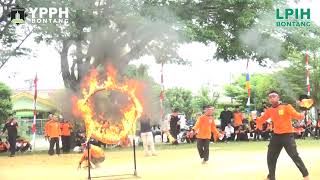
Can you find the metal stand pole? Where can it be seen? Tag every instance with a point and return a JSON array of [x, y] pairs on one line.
[[134, 156], [305, 124], [89, 169]]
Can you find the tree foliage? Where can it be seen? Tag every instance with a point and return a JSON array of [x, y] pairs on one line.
[[109, 32], [289, 81], [5, 102], [260, 84], [10, 40], [187, 103], [205, 96], [294, 77], [179, 98]]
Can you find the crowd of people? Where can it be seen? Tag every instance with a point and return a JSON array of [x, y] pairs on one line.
[[13, 143], [54, 131], [274, 123], [235, 126], [281, 116]]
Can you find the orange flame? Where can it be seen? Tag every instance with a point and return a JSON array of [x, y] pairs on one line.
[[306, 103], [113, 133]]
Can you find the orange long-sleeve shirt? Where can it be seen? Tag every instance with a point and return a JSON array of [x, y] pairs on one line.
[[281, 117], [52, 129], [65, 129], [204, 126], [95, 152], [237, 118]]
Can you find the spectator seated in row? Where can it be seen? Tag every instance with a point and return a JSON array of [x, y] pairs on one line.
[[299, 129], [228, 133], [266, 130], [22, 145], [254, 131], [241, 133], [4, 146]]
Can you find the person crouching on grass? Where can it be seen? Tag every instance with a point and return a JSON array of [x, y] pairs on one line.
[[203, 127], [96, 155], [281, 116]]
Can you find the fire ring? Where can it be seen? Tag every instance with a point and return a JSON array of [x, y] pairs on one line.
[[131, 112]]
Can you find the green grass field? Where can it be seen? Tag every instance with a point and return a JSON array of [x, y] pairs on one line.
[[232, 161]]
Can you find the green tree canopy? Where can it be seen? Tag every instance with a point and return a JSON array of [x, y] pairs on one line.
[[205, 96], [5, 102], [179, 98], [108, 32]]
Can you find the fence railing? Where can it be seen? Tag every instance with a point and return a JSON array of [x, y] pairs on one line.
[[25, 127]]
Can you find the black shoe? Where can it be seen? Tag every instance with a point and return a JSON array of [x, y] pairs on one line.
[[11, 155]]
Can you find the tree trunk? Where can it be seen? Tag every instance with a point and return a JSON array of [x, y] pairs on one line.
[[66, 76]]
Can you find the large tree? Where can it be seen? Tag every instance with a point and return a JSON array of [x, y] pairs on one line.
[[225, 23], [109, 32], [5, 102], [104, 31]]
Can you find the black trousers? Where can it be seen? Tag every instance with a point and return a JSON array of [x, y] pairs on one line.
[[203, 148], [276, 143], [317, 132], [234, 134], [227, 139], [257, 134], [174, 133], [65, 143], [12, 141], [54, 141]]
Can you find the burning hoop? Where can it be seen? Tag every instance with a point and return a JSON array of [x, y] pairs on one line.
[[131, 112]]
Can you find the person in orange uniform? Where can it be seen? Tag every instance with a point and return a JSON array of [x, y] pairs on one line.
[[53, 133], [237, 119], [66, 128], [203, 127], [96, 155], [281, 116]]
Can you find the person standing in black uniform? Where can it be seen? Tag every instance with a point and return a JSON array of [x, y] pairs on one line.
[[12, 127], [174, 125], [225, 117]]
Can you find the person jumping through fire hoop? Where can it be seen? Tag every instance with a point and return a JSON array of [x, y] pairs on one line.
[[281, 116], [203, 127], [96, 156]]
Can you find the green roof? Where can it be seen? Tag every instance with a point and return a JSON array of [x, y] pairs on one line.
[[23, 105]]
